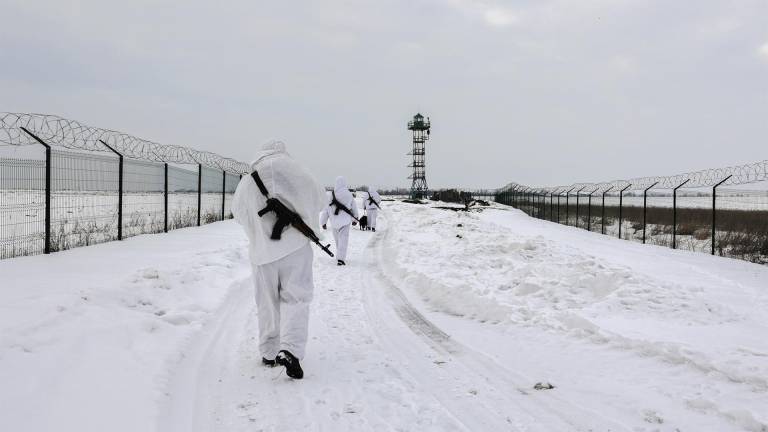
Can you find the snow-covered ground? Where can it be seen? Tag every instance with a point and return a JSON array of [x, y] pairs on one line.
[[441, 321]]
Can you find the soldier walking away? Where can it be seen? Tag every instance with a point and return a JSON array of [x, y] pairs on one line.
[[341, 211], [277, 206], [372, 205]]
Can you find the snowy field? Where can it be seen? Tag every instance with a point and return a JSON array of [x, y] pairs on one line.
[[441, 321], [86, 218]]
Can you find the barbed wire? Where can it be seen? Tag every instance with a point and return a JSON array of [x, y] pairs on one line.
[[728, 176], [71, 134]]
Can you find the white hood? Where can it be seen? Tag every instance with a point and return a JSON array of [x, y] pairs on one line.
[[343, 195], [374, 193], [269, 148]]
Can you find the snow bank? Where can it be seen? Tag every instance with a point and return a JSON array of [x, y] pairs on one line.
[[502, 267], [89, 337]]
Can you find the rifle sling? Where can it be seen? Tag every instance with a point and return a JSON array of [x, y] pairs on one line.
[[335, 202], [259, 183]]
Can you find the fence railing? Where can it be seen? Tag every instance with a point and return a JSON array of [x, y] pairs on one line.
[[64, 185], [693, 211]]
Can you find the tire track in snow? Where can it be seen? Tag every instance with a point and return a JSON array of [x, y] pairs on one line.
[[374, 363], [191, 404], [529, 410], [350, 382]]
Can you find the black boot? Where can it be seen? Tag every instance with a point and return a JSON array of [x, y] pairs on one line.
[[373, 229], [340, 262], [291, 364], [267, 362]]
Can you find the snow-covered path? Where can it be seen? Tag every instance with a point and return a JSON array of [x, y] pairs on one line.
[[441, 321], [374, 363]]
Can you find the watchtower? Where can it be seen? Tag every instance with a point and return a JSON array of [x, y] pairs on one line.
[[420, 128]]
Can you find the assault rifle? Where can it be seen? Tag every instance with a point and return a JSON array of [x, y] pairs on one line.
[[286, 217], [373, 201], [340, 206]]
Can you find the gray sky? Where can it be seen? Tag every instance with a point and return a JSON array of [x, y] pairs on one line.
[[538, 92]]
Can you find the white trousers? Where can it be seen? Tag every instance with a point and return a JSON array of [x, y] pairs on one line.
[[341, 236], [372, 214], [283, 293]]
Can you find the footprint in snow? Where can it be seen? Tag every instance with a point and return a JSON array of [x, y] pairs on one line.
[[150, 274], [650, 416]]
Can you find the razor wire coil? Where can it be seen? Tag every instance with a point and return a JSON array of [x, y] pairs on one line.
[[71, 134], [727, 176]]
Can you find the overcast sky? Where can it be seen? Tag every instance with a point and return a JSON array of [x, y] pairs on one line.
[[539, 92]]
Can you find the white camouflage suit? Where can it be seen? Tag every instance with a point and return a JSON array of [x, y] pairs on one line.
[[372, 209], [282, 269], [341, 220]]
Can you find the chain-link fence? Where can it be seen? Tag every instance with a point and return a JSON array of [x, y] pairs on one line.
[[720, 211], [65, 185]]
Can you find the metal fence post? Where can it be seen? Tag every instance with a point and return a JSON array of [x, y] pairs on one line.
[[48, 171], [645, 206], [524, 200], [223, 191], [589, 209], [567, 199], [542, 206], [621, 203], [558, 207], [528, 202], [551, 206], [532, 202], [714, 209], [674, 213], [48, 160], [577, 205], [527, 195], [119, 190], [602, 228], [165, 198], [199, 191]]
